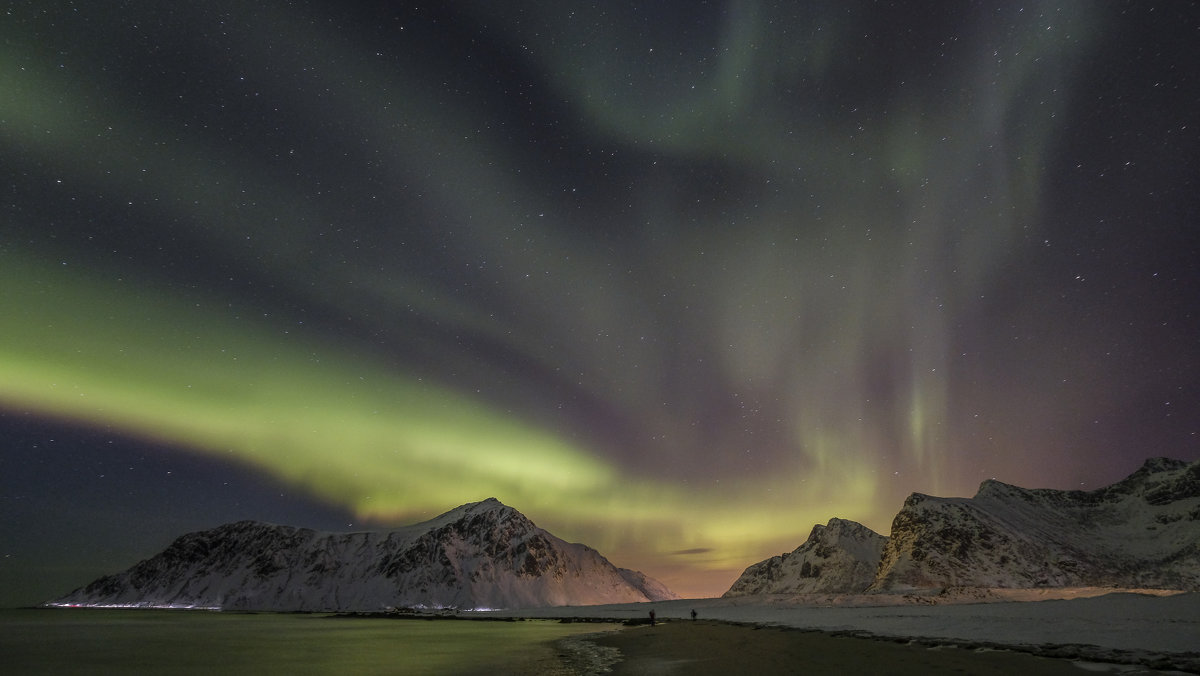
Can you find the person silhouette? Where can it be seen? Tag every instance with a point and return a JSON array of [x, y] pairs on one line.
[[693, 614], [651, 618]]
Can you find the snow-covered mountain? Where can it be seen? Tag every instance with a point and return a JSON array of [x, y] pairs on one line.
[[838, 558], [1141, 532], [480, 555]]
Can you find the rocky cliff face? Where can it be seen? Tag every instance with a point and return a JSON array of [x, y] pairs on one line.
[[838, 558], [480, 555], [1143, 531]]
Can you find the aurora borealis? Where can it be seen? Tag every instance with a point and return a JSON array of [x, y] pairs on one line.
[[676, 280]]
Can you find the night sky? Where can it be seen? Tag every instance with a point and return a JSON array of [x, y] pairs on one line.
[[675, 279]]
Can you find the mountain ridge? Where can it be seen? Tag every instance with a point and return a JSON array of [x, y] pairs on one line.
[[840, 555], [1140, 532], [479, 555]]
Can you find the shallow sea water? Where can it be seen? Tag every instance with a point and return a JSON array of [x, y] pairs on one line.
[[92, 641]]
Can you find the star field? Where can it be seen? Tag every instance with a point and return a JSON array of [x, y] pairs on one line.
[[676, 280]]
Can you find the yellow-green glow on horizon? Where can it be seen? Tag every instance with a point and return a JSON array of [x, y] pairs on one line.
[[678, 295], [389, 447]]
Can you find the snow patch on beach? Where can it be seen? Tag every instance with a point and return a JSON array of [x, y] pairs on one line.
[[583, 656], [1132, 628]]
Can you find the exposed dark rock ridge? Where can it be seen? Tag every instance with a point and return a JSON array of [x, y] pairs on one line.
[[839, 557], [1141, 532]]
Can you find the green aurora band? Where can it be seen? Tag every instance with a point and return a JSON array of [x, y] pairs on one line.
[[349, 431], [854, 247]]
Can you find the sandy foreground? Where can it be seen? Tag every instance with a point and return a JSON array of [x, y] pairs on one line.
[[1123, 633], [710, 647]]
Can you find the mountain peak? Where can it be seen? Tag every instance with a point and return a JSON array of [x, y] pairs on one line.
[[491, 506], [847, 526], [1139, 532], [481, 554], [991, 488], [839, 557], [1162, 465], [488, 505]]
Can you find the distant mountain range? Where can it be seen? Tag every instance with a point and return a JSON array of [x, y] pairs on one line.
[[1141, 532], [480, 555]]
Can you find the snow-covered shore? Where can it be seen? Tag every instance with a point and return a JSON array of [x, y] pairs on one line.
[[1115, 627]]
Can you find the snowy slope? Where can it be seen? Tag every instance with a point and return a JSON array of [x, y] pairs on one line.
[[1143, 531], [480, 555], [839, 558]]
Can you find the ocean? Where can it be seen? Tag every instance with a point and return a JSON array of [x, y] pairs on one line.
[[101, 641]]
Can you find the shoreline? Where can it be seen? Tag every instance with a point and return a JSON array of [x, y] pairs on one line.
[[704, 647], [1121, 631], [681, 646]]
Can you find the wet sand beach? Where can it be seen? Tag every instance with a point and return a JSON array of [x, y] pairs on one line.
[[705, 647]]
